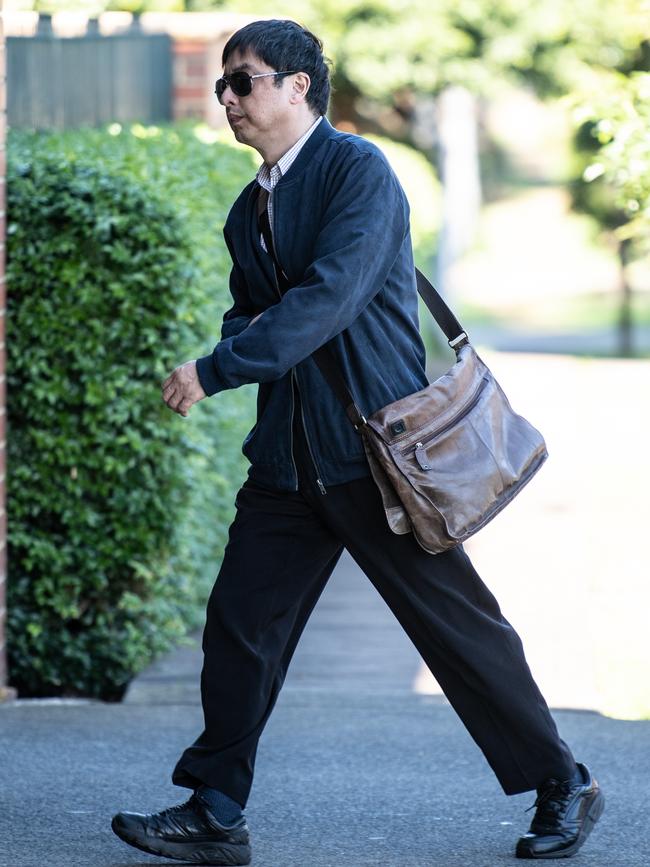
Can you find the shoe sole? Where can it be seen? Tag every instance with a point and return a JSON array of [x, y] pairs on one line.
[[221, 854], [594, 814]]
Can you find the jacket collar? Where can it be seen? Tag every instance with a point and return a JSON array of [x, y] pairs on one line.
[[323, 131]]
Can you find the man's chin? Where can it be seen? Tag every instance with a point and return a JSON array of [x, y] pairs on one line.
[[241, 136], [238, 132]]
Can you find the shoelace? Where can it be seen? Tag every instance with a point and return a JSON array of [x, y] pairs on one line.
[[552, 801], [178, 808]]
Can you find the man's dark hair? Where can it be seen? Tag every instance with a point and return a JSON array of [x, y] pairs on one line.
[[284, 44]]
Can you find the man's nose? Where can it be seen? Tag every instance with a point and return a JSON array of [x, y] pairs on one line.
[[228, 97]]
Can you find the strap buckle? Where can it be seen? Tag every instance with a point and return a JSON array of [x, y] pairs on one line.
[[462, 337]]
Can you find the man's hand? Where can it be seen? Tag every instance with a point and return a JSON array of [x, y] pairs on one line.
[[182, 388]]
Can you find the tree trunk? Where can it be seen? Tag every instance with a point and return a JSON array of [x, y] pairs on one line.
[[625, 342], [458, 158]]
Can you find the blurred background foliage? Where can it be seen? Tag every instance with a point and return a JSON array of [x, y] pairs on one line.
[[394, 63], [400, 69]]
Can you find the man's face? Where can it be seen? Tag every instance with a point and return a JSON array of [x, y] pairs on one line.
[[267, 108]]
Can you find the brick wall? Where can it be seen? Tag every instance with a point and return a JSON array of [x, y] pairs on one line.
[[190, 71], [197, 65], [5, 692]]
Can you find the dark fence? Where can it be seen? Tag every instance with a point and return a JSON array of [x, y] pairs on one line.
[[57, 83]]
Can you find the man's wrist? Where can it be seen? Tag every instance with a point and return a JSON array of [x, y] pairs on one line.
[[207, 374]]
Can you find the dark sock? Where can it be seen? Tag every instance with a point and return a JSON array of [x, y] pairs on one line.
[[224, 809]]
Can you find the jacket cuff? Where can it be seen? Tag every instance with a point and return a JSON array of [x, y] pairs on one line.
[[211, 381]]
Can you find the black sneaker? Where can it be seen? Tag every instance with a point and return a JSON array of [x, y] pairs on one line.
[[566, 814], [187, 832]]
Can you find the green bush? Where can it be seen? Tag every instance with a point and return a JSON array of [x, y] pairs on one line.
[[118, 508]]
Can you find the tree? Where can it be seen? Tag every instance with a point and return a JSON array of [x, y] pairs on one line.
[[613, 141]]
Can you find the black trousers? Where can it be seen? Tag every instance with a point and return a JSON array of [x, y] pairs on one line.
[[282, 548]]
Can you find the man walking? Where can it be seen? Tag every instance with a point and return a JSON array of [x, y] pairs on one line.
[[337, 221]]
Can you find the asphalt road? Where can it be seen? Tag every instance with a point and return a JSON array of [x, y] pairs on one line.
[[355, 767]]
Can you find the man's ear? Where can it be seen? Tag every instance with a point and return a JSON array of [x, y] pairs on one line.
[[299, 87]]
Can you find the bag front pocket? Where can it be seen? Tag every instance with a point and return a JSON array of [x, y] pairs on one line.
[[464, 467]]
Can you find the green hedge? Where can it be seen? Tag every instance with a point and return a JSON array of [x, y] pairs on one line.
[[118, 508]]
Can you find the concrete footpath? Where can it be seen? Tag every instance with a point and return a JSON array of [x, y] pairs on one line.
[[355, 766]]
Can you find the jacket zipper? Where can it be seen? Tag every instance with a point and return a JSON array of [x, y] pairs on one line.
[[320, 484], [293, 406]]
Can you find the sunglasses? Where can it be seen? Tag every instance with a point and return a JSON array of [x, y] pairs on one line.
[[241, 83]]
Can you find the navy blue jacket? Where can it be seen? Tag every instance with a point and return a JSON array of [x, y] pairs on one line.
[[342, 235]]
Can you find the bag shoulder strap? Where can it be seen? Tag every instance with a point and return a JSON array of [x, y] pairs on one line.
[[323, 356]]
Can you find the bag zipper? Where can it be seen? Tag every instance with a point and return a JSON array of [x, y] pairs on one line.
[[452, 421], [294, 377]]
